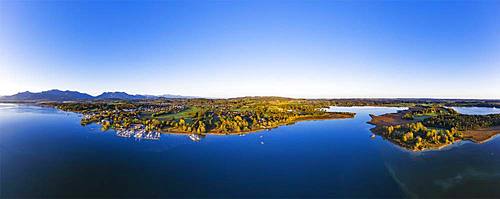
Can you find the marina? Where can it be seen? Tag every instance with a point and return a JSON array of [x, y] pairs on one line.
[[139, 134]]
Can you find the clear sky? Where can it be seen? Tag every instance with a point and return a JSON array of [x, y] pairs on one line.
[[246, 48]]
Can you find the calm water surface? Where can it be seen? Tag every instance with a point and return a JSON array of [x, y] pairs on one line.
[[477, 110], [46, 153]]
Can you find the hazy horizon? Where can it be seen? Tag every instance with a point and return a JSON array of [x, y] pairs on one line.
[[210, 97], [317, 49]]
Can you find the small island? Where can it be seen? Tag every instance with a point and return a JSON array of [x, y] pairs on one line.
[[148, 118], [432, 127]]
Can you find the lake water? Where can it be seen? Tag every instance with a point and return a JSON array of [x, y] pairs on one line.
[[477, 110], [46, 153]]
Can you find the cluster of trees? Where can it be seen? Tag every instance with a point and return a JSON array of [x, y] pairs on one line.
[[428, 111], [463, 122], [418, 136], [88, 107], [116, 119]]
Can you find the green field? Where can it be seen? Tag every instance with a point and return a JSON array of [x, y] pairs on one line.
[[186, 114]]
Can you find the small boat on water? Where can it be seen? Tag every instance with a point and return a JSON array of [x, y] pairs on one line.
[[152, 136], [194, 137], [138, 135], [156, 135], [121, 133]]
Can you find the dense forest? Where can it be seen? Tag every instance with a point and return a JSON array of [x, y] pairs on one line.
[[427, 111]]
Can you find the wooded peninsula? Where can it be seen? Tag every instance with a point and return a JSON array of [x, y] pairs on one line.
[[200, 116], [433, 127]]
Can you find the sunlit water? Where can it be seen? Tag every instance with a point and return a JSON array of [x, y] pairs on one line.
[[46, 153], [477, 110]]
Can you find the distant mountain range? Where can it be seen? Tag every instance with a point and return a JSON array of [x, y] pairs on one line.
[[58, 95], [122, 95]]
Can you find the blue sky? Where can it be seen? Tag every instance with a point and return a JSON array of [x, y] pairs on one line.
[[310, 49]]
